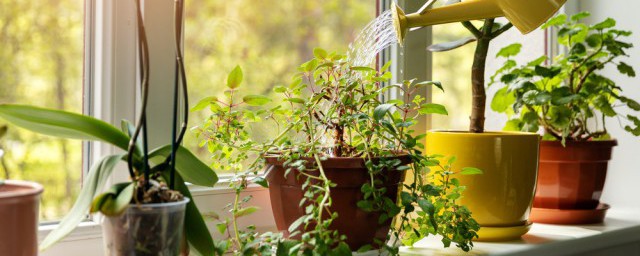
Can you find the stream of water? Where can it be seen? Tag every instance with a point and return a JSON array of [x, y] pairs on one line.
[[375, 37]]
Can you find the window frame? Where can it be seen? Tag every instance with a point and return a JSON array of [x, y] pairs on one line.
[[110, 82]]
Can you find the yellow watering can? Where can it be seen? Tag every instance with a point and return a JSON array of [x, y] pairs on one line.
[[526, 15]]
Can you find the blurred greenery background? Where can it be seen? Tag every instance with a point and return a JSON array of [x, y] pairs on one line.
[[41, 53]]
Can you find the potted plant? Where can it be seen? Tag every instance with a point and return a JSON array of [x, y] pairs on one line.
[[501, 198], [19, 203], [145, 215], [570, 101], [336, 163]]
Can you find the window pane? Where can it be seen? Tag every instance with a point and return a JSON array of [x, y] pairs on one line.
[[41, 53], [269, 39]]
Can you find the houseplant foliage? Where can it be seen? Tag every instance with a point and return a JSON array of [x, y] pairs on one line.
[[568, 98], [157, 175], [333, 110], [570, 101]]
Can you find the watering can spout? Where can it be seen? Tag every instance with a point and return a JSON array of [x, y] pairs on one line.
[[526, 15]]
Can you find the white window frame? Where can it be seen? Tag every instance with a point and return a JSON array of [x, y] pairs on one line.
[[111, 82]]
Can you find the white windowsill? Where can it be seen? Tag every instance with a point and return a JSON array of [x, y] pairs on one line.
[[618, 235]]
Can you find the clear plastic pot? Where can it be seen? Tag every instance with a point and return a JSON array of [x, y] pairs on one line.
[[146, 229]]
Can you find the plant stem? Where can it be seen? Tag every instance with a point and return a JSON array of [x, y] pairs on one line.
[[479, 97]]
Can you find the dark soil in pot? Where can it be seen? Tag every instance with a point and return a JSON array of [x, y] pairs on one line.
[[349, 174], [572, 177]]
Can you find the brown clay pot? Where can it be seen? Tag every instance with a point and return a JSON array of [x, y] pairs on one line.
[[349, 174], [19, 205], [572, 177]]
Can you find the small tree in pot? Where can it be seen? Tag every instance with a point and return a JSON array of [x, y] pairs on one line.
[[335, 167], [146, 215], [571, 101]]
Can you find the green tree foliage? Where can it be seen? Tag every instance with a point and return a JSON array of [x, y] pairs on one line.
[[41, 64]]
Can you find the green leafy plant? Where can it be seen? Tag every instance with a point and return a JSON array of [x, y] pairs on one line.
[[333, 109], [157, 175], [568, 98]]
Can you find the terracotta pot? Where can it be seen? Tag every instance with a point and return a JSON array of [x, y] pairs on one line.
[[19, 204], [349, 174], [572, 177], [500, 199]]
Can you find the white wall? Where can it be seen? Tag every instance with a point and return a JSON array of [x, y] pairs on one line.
[[623, 181]]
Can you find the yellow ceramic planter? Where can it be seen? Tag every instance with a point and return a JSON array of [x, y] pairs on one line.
[[501, 198]]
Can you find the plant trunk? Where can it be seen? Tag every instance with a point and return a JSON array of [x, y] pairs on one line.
[[479, 96]]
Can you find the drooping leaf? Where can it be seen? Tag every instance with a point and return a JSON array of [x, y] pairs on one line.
[[98, 175], [63, 124], [602, 103], [195, 227], [235, 78], [256, 100], [432, 108], [115, 200], [470, 171], [632, 104], [129, 129], [188, 165], [443, 47], [261, 181]]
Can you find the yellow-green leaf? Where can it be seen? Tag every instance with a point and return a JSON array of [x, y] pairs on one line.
[[235, 78]]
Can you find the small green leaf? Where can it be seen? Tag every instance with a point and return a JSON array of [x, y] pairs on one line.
[[632, 104], [245, 211], [434, 83], [470, 171], [579, 16], [431, 108], [448, 46], [261, 181], [203, 103], [222, 227], [357, 68], [502, 100], [556, 21], [602, 103], [256, 100], [320, 53], [235, 78], [624, 68], [546, 72], [296, 100], [381, 110], [510, 50], [608, 23]]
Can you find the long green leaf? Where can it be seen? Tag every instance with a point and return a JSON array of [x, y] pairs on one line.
[[189, 166], [62, 124], [97, 177], [195, 227]]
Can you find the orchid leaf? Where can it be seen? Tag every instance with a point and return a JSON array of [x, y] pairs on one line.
[[63, 124], [97, 177], [188, 165], [195, 227]]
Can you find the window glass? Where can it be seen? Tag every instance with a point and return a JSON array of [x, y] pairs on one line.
[[41, 63], [268, 39]]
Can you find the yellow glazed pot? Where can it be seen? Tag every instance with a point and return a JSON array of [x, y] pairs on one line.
[[501, 198]]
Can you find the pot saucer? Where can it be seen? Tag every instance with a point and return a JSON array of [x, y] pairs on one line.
[[495, 234], [569, 216]]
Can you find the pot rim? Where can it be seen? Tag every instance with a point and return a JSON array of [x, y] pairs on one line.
[[589, 143], [30, 188], [184, 200], [485, 133]]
